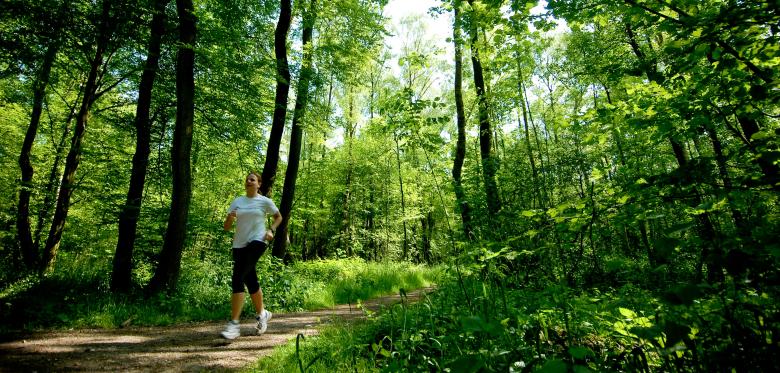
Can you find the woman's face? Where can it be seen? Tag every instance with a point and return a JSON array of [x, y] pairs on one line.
[[252, 184]]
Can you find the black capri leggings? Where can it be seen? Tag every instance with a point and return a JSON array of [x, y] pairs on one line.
[[244, 262]]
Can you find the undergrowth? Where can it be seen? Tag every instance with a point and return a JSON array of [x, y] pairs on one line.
[[80, 297], [479, 323]]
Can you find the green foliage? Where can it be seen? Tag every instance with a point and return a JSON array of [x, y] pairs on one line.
[[638, 182], [553, 329], [80, 298]]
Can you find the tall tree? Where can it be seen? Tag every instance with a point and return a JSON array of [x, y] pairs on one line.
[[166, 275], [296, 134], [128, 217], [350, 127], [280, 101], [489, 160], [524, 108], [103, 37], [711, 251], [29, 250], [50, 189], [460, 117]]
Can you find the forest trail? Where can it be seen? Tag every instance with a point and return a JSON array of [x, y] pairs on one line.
[[193, 347]]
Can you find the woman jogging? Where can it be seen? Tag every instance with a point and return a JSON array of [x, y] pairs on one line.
[[250, 240]]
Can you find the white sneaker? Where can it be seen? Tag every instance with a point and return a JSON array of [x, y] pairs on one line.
[[232, 331], [262, 321]]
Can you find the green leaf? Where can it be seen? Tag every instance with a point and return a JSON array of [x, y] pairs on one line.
[[627, 313], [677, 228], [761, 135], [675, 332], [580, 353], [665, 247], [646, 332], [477, 324], [683, 294], [554, 366], [467, 364]]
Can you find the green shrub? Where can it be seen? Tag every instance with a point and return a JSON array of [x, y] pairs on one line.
[[77, 293]]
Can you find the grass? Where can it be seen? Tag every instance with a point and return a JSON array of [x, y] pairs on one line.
[[552, 328], [79, 297], [337, 348]]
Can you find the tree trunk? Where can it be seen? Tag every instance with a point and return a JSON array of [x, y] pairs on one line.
[[50, 190], [770, 170], [128, 217], [711, 251], [371, 246], [460, 147], [74, 154], [739, 221], [167, 273], [489, 163], [615, 133], [534, 173], [542, 169], [296, 135], [346, 217], [710, 255], [280, 101], [405, 250], [426, 233], [631, 237], [29, 250]]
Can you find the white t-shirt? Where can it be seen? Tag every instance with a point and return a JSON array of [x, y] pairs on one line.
[[251, 214]]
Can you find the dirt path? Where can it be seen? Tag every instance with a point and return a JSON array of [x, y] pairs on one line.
[[180, 348]]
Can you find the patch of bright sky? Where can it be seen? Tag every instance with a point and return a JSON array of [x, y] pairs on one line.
[[438, 26], [438, 30]]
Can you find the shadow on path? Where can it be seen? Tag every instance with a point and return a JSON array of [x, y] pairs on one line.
[[179, 348]]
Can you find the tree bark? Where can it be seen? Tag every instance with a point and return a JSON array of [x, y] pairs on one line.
[[460, 146], [489, 163], [296, 135], [280, 101], [128, 217], [74, 154], [534, 172], [405, 250], [426, 232], [371, 246], [739, 221], [167, 273], [544, 198], [30, 255], [711, 250], [50, 190], [770, 170], [346, 217]]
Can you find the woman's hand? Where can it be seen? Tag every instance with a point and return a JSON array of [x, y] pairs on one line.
[[269, 235], [229, 219]]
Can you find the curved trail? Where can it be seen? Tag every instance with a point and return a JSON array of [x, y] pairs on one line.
[[180, 348]]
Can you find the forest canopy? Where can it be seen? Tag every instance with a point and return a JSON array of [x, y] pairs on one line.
[[565, 147]]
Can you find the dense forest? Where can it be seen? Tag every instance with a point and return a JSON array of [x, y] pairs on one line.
[[598, 177]]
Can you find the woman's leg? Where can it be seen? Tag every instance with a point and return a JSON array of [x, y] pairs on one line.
[[241, 266], [236, 304], [255, 250], [257, 300]]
